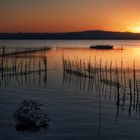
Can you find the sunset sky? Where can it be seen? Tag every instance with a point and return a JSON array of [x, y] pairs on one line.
[[69, 15]]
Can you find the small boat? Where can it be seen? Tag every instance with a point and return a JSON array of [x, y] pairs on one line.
[[102, 47]]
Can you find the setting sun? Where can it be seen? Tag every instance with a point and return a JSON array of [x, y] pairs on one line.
[[135, 29]]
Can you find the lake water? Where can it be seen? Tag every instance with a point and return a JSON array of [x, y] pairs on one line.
[[79, 107]]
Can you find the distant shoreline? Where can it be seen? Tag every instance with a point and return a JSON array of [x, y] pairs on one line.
[[63, 39], [85, 35]]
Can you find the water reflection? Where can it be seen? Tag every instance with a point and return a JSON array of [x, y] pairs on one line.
[[120, 84], [115, 84], [110, 76], [26, 66], [107, 72]]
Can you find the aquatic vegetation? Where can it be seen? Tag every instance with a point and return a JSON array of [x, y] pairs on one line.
[[31, 116], [112, 81], [22, 63]]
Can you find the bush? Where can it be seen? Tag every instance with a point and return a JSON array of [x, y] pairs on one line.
[[30, 115]]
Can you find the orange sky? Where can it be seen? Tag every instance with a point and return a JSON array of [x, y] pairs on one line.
[[69, 15]]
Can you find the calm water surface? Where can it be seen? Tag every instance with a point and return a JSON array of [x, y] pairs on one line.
[[79, 108]]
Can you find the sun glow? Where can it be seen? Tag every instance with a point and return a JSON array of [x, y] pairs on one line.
[[135, 29]]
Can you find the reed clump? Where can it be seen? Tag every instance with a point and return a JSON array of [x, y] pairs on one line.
[[113, 80], [31, 115], [22, 63]]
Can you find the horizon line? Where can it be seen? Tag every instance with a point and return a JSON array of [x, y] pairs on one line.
[[69, 32]]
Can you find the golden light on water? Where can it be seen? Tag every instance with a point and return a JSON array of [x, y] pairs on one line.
[[127, 56]]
